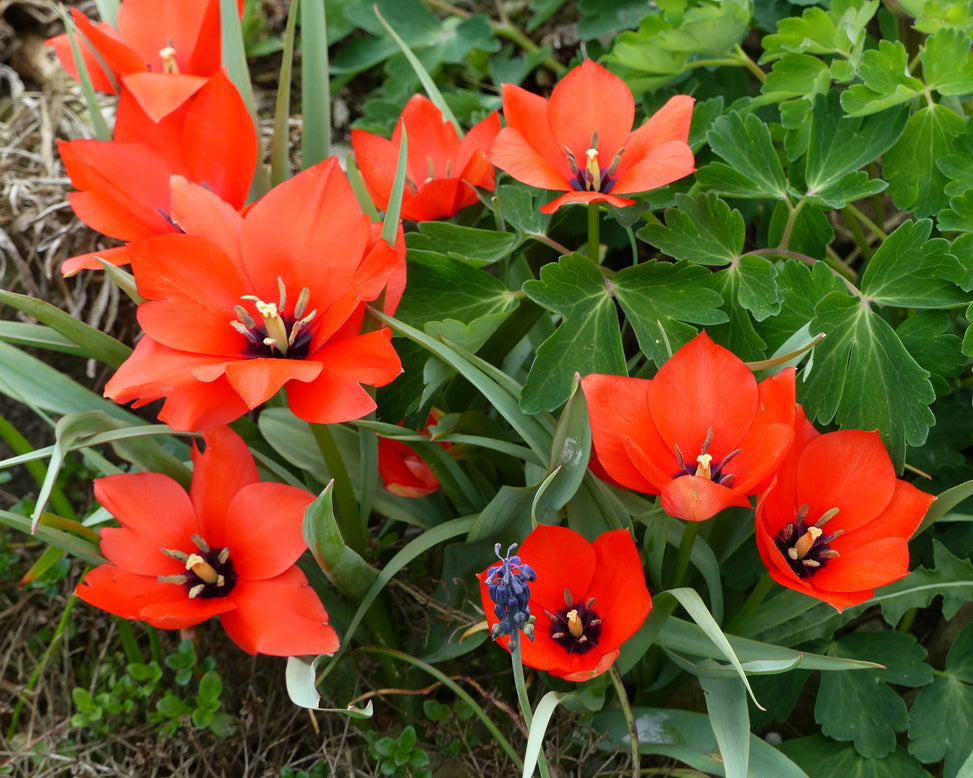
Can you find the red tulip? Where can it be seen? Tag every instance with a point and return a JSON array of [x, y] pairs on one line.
[[402, 470], [163, 50], [581, 140], [124, 183], [703, 433], [227, 548], [587, 600], [441, 169], [242, 306], [837, 521]]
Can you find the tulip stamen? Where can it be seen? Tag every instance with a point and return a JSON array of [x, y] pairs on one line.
[[576, 627], [209, 572], [276, 333], [805, 546]]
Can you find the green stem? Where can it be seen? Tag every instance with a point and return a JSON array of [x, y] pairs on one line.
[[633, 733], [154, 649], [517, 662], [789, 227], [594, 223], [848, 215], [62, 626], [749, 64], [129, 643], [685, 551], [876, 230], [760, 591], [352, 527]]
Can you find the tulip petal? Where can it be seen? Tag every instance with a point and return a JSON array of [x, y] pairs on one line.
[[585, 198], [864, 567], [219, 473], [337, 394], [568, 562], [257, 380], [694, 498], [159, 94], [513, 153], [668, 163], [114, 256], [703, 387], [144, 598], [528, 115], [850, 470], [619, 600], [670, 123], [137, 500], [589, 100], [263, 529], [280, 617]]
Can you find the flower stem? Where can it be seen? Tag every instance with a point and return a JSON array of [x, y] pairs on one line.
[[352, 526], [633, 733], [129, 643], [760, 591], [685, 550], [517, 662], [594, 222]]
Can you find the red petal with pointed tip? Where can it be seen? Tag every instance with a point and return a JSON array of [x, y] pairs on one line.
[[618, 586], [666, 164], [257, 380], [137, 500], [337, 394], [115, 256], [438, 199], [513, 153], [702, 387], [159, 94], [693, 498], [142, 598], [149, 26], [280, 617], [290, 234], [219, 472], [589, 100], [115, 52], [201, 213], [670, 123], [263, 524], [585, 198], [376, 159], [863, 567], [528, 115], [124, 187], [475, 145], [850, 470], [618, 409]]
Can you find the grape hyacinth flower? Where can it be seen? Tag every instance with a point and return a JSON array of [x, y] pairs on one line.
[[508, 586]]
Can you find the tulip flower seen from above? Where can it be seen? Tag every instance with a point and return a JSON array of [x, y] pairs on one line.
[[836, 523], [581, 141], [227, 548], [441, 169], [239, 307], [124, 183], [163, 50], [703, 433], [587, 599]]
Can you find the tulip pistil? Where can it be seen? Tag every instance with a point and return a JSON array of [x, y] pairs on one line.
[[209, 572], [805, 546], [169, 64]]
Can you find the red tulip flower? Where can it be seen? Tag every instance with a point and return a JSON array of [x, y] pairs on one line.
[[441, 169], [581, 141], [163, 50], [587, 599], [837, 521], [239, 307], [703, 433], [402, 470], [124, 183], [227, 548]]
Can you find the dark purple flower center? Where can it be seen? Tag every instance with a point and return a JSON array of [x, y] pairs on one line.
[[576, 627], [805, 546], [274, 332], [592, 177], [209, 571], [704, 467]]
